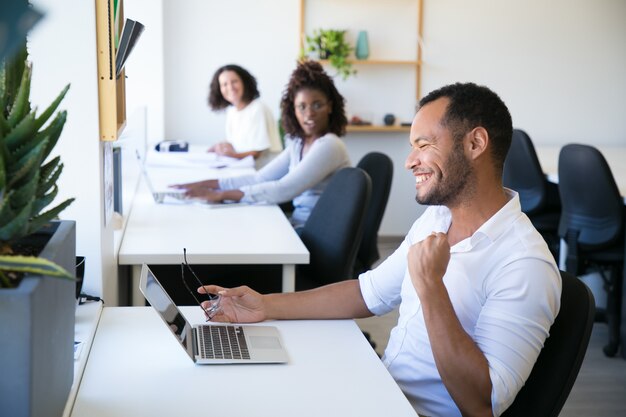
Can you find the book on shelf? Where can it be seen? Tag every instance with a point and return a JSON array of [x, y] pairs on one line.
[[130, 33]]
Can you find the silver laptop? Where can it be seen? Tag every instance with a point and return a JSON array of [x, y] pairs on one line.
[[178, 196], [165, 196], [213, 343]]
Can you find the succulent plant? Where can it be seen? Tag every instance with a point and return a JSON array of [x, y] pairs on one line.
[[27, 177]]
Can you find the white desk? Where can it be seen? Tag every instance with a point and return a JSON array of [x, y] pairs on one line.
[[615, 156], [157, 233], [136, 368], [87, 318]]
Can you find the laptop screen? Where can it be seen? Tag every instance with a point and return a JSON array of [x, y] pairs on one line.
[[163, 304]]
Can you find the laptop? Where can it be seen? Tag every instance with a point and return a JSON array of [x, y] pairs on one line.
[[213, 343], [167, 196], [178, 196], [172, 195]]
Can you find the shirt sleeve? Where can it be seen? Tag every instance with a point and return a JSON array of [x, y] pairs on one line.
[[274, 170], [521, 303], [325, 156], [381, 287]]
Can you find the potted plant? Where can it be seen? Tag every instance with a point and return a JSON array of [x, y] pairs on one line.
[[37, 309], [331, 44]]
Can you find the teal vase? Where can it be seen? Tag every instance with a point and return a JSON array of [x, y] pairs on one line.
[[362, 50]]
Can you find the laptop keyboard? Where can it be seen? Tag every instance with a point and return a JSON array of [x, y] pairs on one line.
[[223, 342]]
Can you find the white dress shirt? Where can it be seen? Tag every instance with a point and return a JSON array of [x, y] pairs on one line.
[[505, 289]]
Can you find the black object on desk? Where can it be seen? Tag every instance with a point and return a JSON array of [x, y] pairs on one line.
[[172, 146]]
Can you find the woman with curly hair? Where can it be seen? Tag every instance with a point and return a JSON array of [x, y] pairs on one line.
[[313, 117], [250, 125]]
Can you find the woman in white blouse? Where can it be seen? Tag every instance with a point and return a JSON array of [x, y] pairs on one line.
[[250, 125], [313, 117]]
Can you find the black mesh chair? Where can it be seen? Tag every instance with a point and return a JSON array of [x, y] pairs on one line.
[[538, 196], [592, 226], [333, 231], [380, 169], [557, 366]]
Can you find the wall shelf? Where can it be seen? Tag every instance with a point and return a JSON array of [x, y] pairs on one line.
[[111, 89], [377, 128], [375, 62], [385, 63]]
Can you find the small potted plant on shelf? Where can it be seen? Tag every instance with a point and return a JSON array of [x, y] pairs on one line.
[[37, 306], [331, 44]]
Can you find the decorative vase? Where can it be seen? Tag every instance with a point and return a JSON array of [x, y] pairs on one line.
[[37, 333], [389, 119], [362, 50]]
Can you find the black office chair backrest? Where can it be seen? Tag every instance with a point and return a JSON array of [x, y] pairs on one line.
[[333, 231], [522, 173], [380, 169], [592, 206], [557, 366]]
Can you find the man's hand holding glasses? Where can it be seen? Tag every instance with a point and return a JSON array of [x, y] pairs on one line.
[[228, 305], [212, 306], [237, 305]]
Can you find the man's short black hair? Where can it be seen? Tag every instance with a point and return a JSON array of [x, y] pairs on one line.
[[471, 106]]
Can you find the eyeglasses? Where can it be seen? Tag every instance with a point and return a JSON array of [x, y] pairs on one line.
[[315, 106], [214, 299]]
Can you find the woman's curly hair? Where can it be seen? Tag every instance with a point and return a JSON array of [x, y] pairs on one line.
[[250, 90], [311, 75]]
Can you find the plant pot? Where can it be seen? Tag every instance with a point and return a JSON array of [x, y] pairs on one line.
[[37, 333]]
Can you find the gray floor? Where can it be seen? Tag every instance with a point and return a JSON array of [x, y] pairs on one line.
[[599, 391]]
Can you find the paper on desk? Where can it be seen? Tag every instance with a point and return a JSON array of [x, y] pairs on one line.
[[196, 160]]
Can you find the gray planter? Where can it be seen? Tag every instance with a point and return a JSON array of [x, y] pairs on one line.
[[37, 335]]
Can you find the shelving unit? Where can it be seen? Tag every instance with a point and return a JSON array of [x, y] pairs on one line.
[[111, 89], [376, 62], [362, 65], [377, 128]]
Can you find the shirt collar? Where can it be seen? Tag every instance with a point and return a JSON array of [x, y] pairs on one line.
[[492, 229], [499, 222]]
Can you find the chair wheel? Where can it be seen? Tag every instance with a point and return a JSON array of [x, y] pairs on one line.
[[610, 350]]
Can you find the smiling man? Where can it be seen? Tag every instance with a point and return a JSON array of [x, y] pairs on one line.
[[476, 285]]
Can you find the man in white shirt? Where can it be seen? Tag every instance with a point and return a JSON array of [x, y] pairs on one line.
[[476, 284]]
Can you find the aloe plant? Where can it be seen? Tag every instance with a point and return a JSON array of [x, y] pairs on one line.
[[27, 176]]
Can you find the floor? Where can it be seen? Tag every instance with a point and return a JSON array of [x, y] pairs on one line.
[[599, 391]]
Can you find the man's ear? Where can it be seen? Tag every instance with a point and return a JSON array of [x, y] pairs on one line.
[[477, 142]]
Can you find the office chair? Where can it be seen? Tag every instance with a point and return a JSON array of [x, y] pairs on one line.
[[333, 231], [559, 362], [592, 226], [538, 196], [380, 169]]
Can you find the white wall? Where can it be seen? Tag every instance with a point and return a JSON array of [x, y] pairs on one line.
[[201, 36], [559, 65], [145, 69], [63, 50]]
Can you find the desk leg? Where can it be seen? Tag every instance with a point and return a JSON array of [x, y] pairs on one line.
[[289, 278], [137, 298]]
